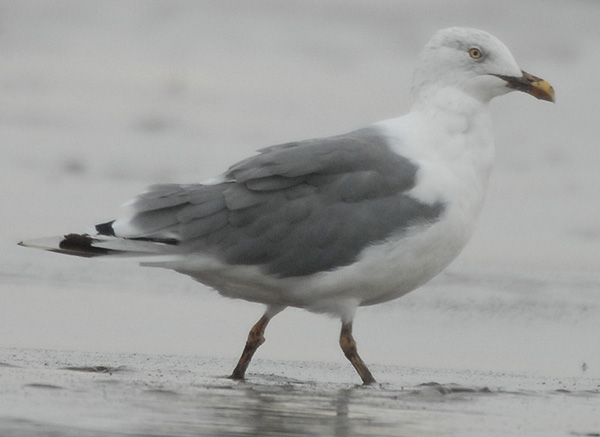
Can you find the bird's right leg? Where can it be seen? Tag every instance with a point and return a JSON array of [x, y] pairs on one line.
[[349, 347]]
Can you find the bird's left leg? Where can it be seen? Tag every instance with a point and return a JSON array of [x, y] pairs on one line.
[[255, 339]]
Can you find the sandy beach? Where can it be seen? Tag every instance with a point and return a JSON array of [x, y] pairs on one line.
[[88, 394], [100, 100]]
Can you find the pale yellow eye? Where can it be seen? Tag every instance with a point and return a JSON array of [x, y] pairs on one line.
[[475, 53]]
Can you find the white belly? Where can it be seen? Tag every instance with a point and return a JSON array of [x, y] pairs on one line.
[[390, 269]]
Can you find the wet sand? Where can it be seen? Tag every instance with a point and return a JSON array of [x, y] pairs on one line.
[[48, 392]]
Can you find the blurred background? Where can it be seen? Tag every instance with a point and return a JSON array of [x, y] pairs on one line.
[[101, 98]]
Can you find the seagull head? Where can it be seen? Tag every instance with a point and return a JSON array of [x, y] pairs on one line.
[[474, 62]]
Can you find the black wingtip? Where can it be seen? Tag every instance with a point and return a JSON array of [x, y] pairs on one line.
[[106, 229], [81, 245]]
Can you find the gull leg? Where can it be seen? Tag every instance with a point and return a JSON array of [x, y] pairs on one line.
[[255, 339], [349, 347]]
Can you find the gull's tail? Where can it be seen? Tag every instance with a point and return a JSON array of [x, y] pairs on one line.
[[90, 246]]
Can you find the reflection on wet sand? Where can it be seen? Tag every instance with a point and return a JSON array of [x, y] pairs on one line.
[[81, 394]]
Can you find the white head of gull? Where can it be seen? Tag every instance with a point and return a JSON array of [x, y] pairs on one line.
[[332, 224]]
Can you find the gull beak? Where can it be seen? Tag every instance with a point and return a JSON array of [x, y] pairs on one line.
[[530, 84]]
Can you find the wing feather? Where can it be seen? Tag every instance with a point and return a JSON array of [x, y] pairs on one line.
[[293, 209]]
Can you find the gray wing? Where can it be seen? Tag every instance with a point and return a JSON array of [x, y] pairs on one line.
[[294, 209]]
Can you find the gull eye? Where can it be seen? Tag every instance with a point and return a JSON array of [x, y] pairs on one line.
[[475, 53]]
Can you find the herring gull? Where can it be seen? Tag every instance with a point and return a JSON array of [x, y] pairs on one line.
[[332, 224]]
